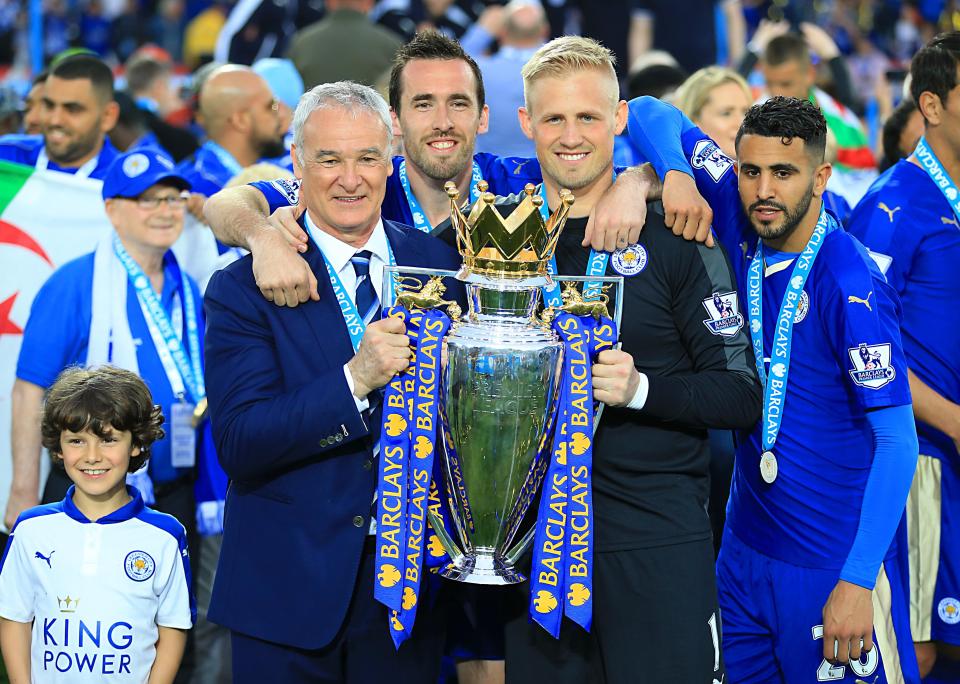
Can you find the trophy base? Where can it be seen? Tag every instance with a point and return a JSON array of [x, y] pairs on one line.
[[482, 568]]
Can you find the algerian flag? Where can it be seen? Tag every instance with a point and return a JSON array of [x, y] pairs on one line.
[[47, 218]]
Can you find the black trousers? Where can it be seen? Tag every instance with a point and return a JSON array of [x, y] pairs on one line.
[[363, 652], [655, 621]]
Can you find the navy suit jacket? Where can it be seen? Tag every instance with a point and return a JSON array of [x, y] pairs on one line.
[[297, 452]]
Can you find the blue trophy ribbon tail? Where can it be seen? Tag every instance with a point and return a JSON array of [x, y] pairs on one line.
[[418, 400], [562, 572]]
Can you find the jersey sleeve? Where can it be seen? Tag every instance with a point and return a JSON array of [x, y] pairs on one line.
[[177, 607], [283, 192], [671, 142], [56, 330], [861, 315], [723, 390], [17, 585], [877, 226]]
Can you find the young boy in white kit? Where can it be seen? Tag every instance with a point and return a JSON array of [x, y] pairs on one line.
[[96, 587]]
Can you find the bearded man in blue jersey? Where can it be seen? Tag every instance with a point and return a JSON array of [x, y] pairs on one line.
[[812, 569], [909, 219]]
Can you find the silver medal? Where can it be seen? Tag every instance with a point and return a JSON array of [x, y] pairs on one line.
[[768, 467]]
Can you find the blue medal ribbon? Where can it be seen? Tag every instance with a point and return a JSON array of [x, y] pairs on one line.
[[929, 162], [423, 430], [416, 211], [775, 391], [185, 375], [356, 326], [562, 572], [596, 265]]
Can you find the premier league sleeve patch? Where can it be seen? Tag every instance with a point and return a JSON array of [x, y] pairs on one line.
[[707, 156], [725, 319], [630, 260], [871, 365], [139, 566], [289, 188]]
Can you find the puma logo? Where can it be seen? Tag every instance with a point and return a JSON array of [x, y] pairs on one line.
[[890, 212], [519, 165], [853, 299], [40, 556], [949, 221]]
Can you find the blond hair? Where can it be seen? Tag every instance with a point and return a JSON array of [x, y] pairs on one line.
[[566, 54], [693, 94], [262, 171]]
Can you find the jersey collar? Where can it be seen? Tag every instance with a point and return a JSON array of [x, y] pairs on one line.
[[130, 510]]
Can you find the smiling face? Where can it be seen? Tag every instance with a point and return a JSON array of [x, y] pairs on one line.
[[147, 230], [97, 465], [346, 161], [75, 120], [440, 116], [572, 119]]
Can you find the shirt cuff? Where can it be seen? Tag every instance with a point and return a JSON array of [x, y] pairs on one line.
[[640, 396], [362, 404]]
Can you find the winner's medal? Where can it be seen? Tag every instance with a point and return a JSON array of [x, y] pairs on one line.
[[768, 467]]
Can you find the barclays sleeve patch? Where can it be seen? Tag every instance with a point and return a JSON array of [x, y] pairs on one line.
[[871, 365], [707, 156], [289, 188], [725, 319]]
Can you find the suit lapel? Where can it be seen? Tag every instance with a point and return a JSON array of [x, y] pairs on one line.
[[324, 317]]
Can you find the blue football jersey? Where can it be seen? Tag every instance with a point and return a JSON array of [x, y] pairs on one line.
[[914, 236], [506, 176], [26, 149], [847, 359]]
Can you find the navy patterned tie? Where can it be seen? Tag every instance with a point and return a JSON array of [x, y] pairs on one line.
[[366, 295]]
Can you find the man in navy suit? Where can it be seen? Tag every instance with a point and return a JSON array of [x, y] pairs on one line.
[[293, 403]]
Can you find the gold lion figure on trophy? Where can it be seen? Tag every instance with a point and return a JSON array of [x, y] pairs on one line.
[[411, 295], [576, 304]]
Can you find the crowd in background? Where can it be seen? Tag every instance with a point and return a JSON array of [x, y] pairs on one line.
[[657, 43]]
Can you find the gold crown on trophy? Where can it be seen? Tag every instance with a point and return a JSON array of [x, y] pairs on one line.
[[518, 246]]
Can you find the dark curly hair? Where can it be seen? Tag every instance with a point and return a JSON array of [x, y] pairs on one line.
[[433, 46], [787, 118], [97, 399], [934, 67], [892, 130]]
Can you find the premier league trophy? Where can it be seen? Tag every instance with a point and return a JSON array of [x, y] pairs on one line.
[[499, 395]]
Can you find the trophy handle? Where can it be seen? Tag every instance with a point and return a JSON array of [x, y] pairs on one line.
[[514, 554], [446, 542]]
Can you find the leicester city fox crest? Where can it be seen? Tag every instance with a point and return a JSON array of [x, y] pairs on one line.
[[725, 319], [871, 365]]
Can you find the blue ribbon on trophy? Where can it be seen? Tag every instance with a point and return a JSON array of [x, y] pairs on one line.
[[562, 572]]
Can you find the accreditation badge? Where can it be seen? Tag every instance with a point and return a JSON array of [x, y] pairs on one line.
[[183, 435]]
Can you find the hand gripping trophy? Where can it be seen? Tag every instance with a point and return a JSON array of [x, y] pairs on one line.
[[495, 406]]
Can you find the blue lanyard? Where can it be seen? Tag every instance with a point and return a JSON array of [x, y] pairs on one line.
[[419, 215], [168, 345], [351, 316], [225, 158], [928, 160], [775, 391], [596, 264]]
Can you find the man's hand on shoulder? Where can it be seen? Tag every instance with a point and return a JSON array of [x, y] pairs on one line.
[[684, 209], [18, 501], [615, 378], [618, 217], [384, 351], [283, 276], [847, 621]]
